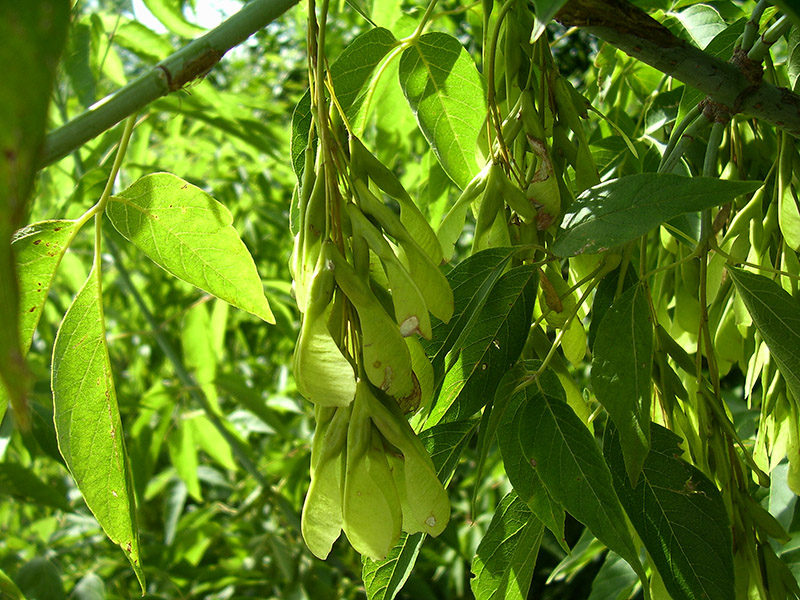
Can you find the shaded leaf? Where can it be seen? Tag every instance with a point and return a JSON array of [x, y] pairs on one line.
[[622, 365], [39, 579], [445, 92], [524, 477], [614, 581], [620, 210], [22, 483], [471, 281], [570, 464], [189, 234], [87, 420], [490, 349], [679, 515], [504, 561], [777, 317]]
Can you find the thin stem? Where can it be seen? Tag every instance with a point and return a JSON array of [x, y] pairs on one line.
[[100, 206], [423, 23]]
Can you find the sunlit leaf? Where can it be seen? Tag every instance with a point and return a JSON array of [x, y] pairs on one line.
[[189, 234], [37, 249], [88, 425], [170, 13], [446, 93], [8, 590]]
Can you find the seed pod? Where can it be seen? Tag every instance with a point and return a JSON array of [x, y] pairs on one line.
[[323, 374], [430, 280], [554, 295], [409, 305], [453, 222], [372, 516], [387, 361], [410, 215], [321, 519], [426, 506]]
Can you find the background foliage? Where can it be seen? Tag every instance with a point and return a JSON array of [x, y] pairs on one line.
[[218, 437]]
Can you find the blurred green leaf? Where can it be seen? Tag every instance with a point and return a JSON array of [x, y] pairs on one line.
[[33, 34]]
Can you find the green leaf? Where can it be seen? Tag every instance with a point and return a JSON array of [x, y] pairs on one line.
[[183, 454], [22, 483], [702, 22], [33, 34], [614, 581], [524, 477], [446, 94], [445, 443], [679, 515], [87, 420], [385, 578], [545, 11], [38, 249], [39, 579], [567, 459], [504, 561], [8, 590], [471, 280], [354, 69], [189, 234], [777, 317], [491, 347], [352, 73], [622, 365], [620, 210], [170, 13]]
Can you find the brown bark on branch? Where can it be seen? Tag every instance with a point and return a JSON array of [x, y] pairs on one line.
[[736, 86]]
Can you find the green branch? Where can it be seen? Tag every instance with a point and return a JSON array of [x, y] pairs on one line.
[[631, 30], [190, 62]]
